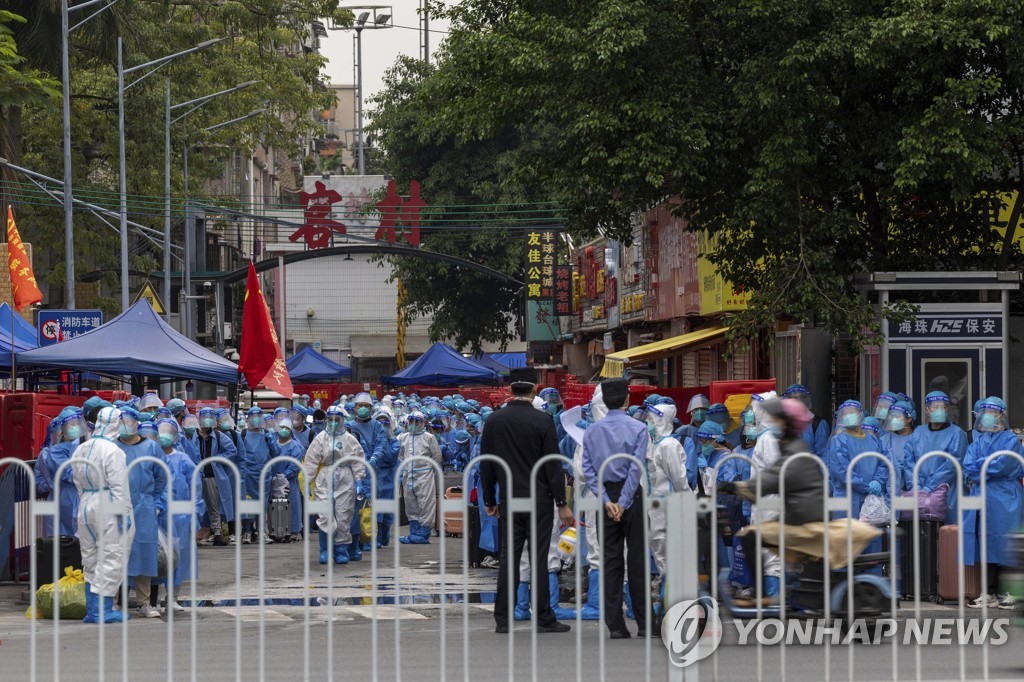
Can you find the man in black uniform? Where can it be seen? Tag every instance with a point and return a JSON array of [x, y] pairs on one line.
[[521, 435]]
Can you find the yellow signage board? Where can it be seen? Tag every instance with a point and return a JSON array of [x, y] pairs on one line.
[[149, 293], [716, 295]]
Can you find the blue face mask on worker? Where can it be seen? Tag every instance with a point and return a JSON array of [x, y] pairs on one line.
[[651, 430], [988, 421], [166, 440], [851, 420], [73, 432], [363, 413], [898, 423], [750, 431], [699, 415], [707, 449], [209, 422], [285, 434], [938, 415], [256, 422]]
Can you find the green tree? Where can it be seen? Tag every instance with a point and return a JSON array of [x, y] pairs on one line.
[[817, 140]]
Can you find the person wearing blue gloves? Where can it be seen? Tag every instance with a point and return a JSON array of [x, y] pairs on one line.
[[418, 479], [70, 428], [103, 483], [897, 429], [258, 446], [1004, 507], [870, 476], [290, 447], [385, 465], [147, 485], [374, 439], [182, 470], [818, 431], [334, 468], [935, 434]]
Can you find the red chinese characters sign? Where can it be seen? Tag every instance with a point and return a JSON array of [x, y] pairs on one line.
[[399, 217]]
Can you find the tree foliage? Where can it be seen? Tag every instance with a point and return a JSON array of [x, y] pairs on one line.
[[265, 44], [817, 140]]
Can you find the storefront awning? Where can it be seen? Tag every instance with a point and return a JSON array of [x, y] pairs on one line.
[[616, 363]]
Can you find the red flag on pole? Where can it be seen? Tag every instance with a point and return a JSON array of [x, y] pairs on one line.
[[24, 291], [260, 359]]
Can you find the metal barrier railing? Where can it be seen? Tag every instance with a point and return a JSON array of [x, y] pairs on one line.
[[681, 583]]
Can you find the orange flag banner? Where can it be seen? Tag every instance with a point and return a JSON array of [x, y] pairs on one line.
[[260, 358], [24, 289]]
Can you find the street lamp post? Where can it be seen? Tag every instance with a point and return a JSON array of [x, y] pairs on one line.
[[186, 325], [381, 19], [152, 65], [168, 110]]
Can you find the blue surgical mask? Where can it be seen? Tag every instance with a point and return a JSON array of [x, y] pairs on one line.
[[699, 415], [74, 432], [363, 414], [285, 434], [651, 430], [897, 423], [707, 448], [166, 441], [988, 421], [209, 423], [124, 432], [938, 416], [882, 412], [851, 421], [256, 422], [776, 430], [750, 431]]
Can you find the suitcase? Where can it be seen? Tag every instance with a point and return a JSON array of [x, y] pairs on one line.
[[70, 554], [948, 576], [453, 520], [927, 564], [280, 518], [476, 554]]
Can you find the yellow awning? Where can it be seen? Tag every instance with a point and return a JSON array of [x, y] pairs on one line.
[[615, 364]]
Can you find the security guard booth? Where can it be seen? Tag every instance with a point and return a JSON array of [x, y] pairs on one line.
[[956, 347]]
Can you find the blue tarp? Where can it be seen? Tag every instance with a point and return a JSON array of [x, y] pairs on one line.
[[490, 363], [135, 343], [307, 367], [442, 365], [510, 360], [25, 335]]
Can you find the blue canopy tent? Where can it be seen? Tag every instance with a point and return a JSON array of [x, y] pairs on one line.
[[442, 365], [489, 362], [135, 343], [24, 333], [510, 360], [307, 367]]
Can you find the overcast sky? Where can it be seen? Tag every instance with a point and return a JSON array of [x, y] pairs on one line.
[[380, 47]]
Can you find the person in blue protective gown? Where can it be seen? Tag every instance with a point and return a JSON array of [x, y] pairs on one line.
[[554, 405], [698, 412], [897, 429], [818, 431], [70, 429], [290, 447], [994, 452], [300, 432], [373, 438], [384, 466], [870, 476], [935, 434], [182, 475], [218, 480], [458, 456], [719, 414], [147, 484], [736, 512], [42, 474], [872, 426], [258, 447], [882, 405]]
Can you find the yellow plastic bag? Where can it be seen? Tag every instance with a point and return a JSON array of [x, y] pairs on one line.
[[72, 597], [366, 525]]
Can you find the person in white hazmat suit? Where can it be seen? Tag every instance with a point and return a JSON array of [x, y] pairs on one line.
[[419, 487], [766, 453], [104, 535], [666, 473], [333, 466]]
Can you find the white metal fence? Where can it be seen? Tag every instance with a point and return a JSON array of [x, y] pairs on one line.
[[461, 648]]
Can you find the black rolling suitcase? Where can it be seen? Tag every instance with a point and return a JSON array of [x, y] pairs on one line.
[[472, 531], [70, 554], [927, 564]]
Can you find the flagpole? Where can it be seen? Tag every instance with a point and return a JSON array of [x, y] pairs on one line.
[[14, 366]]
